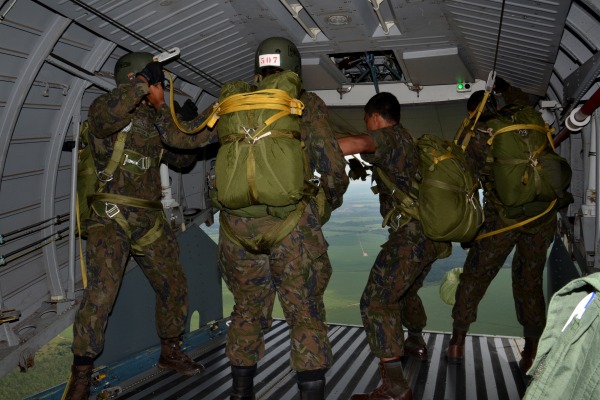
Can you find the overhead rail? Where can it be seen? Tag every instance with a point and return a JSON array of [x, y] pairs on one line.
[[148, 42]]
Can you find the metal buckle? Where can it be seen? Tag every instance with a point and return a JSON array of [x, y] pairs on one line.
[[111, 210], [104, 177], [142, 163], [395, 222], [315, 181]]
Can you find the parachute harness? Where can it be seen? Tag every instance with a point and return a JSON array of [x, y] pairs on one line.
[[273, 99]]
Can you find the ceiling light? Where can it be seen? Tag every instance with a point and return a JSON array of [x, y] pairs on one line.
[[338, 20]]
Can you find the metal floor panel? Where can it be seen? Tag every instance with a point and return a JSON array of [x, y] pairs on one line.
[[490, 371]]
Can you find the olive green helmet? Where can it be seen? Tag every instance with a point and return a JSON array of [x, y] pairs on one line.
[[277, 52], [132, 62]]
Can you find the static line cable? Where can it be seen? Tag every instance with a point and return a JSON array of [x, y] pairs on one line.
[[28, 230], [146, 41], [38, 244], [489, 86], [499, 32]]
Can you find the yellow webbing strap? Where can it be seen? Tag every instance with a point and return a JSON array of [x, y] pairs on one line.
[[273, 99], [150, 237], [236, 137], [436, 160], [115, 158], [113, 163], [518, 224], [404, 202], [81, 259], [64, 395], [124, 200], [467, 121], [262, 244], [517, 127], [154, 233]]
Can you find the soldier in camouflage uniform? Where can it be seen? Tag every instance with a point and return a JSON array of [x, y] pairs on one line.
[[390, 298], [296, 269], [487, 255], [128, 217]]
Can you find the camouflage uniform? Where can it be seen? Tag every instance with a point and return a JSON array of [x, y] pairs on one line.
[[487, 256], [297, 268], [390, 298], [108, 243]]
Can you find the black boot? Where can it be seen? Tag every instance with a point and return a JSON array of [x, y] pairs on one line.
[[78, 387], [312, 390], [311, 384], [242, 387], [172, 357]]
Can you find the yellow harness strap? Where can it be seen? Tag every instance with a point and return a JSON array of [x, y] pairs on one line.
[[467, 121], [262, 244], [525, 222], [81, 257], [273, 99], [105, 199]]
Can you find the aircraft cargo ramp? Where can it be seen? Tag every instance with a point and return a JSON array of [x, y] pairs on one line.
[[490, 371]]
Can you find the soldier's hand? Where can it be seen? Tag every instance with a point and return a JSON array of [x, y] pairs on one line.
[[156, 96], [357, 170], [152, 73]]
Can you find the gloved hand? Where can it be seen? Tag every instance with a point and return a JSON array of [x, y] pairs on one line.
[[500, 85], [357, 170], [153, 73]]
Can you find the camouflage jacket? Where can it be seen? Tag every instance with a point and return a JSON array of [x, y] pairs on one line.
[[151, 131], [397, 156], [324, 153]]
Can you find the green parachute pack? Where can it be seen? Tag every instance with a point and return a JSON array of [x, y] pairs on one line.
[[261, 160], [449, 207], [527, 174], [444, 195], [261, 167]]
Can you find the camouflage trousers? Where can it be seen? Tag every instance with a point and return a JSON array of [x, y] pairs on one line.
[[107, 252], [487, 256], [298, 271], [390, 299]]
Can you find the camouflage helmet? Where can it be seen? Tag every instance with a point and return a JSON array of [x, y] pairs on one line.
[[277, 52], [132, 62]]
